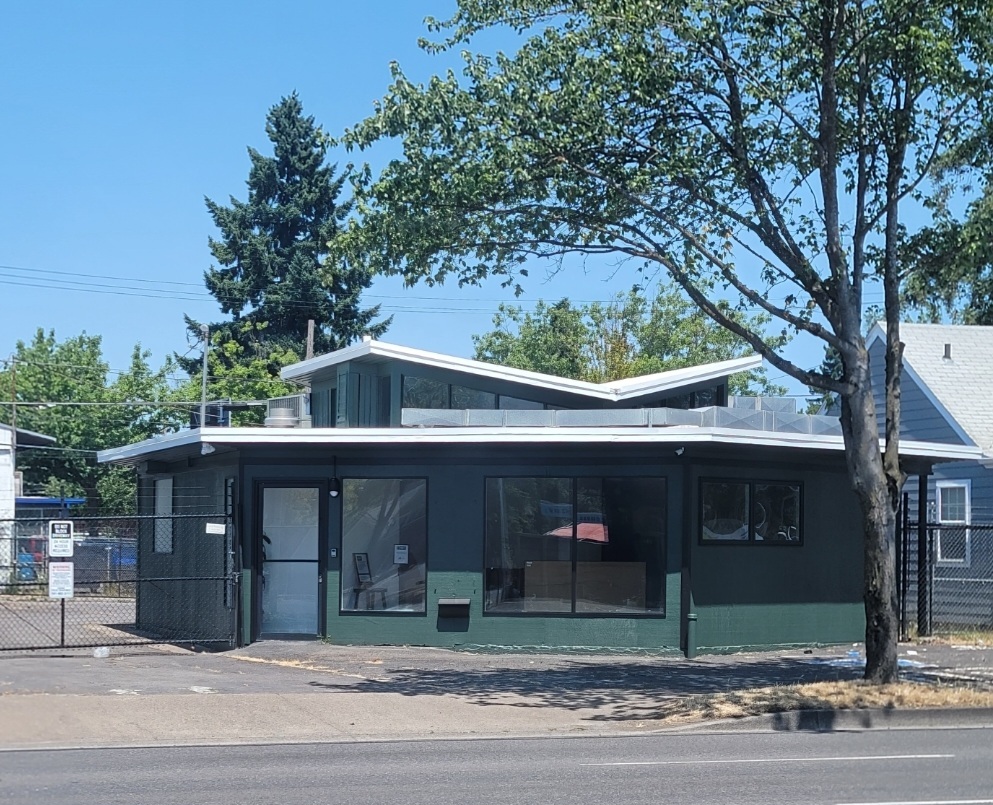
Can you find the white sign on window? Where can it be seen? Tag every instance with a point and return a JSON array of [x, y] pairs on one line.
[[400, 554], [60, 538], [61, 579]]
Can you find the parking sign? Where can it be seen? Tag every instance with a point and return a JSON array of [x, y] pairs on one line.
[[60, 538]]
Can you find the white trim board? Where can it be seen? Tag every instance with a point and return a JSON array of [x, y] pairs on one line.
[[614, 391]]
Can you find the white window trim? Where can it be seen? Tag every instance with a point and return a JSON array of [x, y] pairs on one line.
[[954, 484]]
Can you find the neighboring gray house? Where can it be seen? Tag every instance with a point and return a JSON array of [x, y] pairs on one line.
[[946, 397], [419, 498]]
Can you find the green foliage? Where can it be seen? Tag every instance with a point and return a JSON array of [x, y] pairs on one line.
[[626, 337], [273, 271], [237, 373], [757, 148], [85, 410], [951, 265]]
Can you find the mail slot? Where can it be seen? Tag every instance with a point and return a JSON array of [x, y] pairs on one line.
[[453, 607]]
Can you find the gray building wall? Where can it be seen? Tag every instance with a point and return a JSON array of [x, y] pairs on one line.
[[182, 593]]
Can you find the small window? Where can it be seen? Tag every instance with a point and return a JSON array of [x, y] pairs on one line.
[[952, 539], [162, 534], [750, 511]]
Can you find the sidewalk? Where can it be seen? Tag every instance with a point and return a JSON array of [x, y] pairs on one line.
[[310, 691]]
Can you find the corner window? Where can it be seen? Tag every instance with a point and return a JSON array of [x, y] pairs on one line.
[[952, 539], [384, 545], [590, 546], [162, 509], [765, 512]]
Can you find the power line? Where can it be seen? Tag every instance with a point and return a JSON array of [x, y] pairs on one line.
[[162, 293]]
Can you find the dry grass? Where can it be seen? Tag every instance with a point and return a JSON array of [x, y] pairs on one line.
[[854, 695]]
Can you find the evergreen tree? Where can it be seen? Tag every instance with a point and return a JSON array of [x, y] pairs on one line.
[[272, 275]]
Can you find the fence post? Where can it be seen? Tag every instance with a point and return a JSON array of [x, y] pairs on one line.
[[923, 558], [902, 564]]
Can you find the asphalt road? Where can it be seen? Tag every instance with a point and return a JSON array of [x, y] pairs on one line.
[[946, 767]]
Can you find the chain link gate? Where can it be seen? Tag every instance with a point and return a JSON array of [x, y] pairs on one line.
[[137, 579], [951, 593]]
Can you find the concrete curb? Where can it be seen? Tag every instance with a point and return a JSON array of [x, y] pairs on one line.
[[850, 721]]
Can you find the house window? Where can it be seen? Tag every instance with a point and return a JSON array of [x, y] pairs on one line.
[[384, 545], [422, 392], [766, 512], [952, 540], [584, 546], [519, 404], [162, 509], [464, 397]]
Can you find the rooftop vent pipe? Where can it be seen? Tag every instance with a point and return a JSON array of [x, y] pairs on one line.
[[948, 352]]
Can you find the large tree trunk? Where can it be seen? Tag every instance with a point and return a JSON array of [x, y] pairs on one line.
[[879, 518]]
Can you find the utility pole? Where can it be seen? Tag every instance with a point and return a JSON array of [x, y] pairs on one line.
[[13, 415], [205, 332], [310, 339]]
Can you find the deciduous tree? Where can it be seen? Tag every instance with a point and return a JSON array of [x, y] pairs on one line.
[[628, 336], [66, 390], [765, 148]]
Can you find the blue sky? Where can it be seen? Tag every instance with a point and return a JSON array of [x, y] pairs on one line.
[[121, 117]]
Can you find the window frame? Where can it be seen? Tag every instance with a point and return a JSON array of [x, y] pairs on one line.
[[939, 485], [751, 484], [348, 613], [661, 614], [159, 517]]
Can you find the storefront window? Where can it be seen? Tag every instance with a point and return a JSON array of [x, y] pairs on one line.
[[563, 545], [384, 545]]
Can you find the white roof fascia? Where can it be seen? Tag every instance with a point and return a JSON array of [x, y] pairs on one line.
[[877, 333], [260, 436], [613, 391], [179, 439], [639, 386]]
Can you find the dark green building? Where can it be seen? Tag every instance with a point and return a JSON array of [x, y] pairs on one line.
[[422, 499]]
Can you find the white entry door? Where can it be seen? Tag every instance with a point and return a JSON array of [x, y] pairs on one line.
[[290, 560]]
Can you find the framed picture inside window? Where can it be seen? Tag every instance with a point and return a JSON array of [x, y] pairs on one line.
[[362, 567]]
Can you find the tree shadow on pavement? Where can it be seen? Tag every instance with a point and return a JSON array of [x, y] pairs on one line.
[[622, 691]]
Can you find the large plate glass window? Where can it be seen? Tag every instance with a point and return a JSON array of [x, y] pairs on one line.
[[384, 545], [564, 545], [952, 539], [767, 512]]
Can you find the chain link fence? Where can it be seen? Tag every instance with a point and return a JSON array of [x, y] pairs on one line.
[[134, 580], [951, 592]]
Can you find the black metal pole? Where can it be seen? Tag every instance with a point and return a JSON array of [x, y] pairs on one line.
[[923, 621], [901, 562], [62, 609]]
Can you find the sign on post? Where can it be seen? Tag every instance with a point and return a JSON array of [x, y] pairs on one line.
[[60, 538], [61, 579]]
